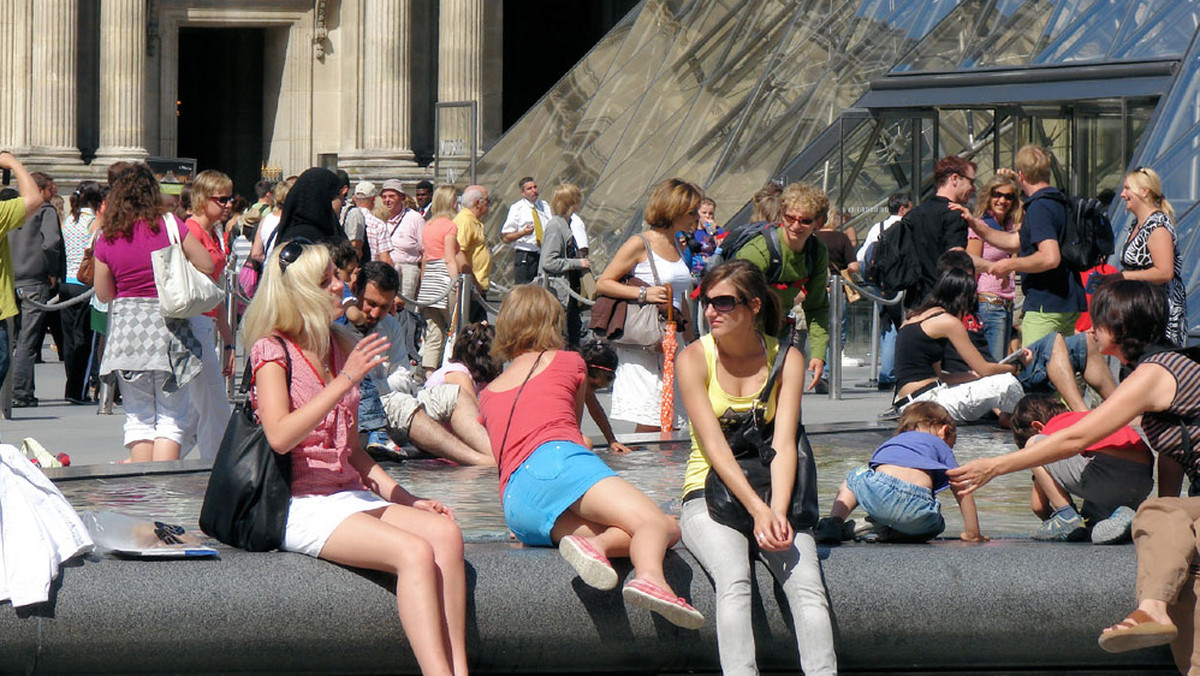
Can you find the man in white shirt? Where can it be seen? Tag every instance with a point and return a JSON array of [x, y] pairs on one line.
[[580, 235], [523, 230], [897, 205], [404, 230]]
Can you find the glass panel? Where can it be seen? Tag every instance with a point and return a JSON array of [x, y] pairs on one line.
[[1165, 33], [1183, 102], [1101, 159], [1089, 37], [1010, 35], [1180, 171]]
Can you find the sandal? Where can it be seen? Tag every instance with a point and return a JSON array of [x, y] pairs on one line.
[[646, 594], [593, 568], [1138, 630]]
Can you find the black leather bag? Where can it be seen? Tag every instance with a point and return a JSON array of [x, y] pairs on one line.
[[246, 502], [750, 440]]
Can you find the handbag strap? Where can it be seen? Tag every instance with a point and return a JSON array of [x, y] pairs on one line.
[[650, 259], [248, 376], [172, 227], [504, 439], [785, 343]]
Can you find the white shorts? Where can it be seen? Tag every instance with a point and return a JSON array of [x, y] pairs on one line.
[[966, 402], [313, 518]]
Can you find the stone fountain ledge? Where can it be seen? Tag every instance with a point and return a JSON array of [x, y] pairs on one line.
[[1009, 605]]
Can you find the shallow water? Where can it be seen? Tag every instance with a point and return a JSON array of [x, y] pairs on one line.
[[656, 469]]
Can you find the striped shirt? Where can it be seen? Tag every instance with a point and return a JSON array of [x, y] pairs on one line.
[[1163, 429], [377, 235]]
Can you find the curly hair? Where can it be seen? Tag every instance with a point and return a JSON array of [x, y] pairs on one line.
[[134, 197], [473, 349]]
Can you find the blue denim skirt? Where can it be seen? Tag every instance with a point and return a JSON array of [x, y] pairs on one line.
[[550, 480]]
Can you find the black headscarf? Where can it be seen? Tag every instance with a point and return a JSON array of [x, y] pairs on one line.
[[307, 211]]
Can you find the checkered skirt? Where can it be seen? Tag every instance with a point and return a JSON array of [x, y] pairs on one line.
[[141, 339]]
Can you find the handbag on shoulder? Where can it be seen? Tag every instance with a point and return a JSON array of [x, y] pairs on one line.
[[750, 440], [249, 490], [183, 291]]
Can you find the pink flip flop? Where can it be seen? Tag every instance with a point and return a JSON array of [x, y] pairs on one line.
[[646, 594], [593, 567]]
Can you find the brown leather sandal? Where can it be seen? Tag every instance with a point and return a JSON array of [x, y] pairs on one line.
[[1138, 630]]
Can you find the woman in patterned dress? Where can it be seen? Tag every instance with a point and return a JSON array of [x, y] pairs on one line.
[[1151, 252]]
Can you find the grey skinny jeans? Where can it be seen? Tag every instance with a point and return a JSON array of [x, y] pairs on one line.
[[725, 555]]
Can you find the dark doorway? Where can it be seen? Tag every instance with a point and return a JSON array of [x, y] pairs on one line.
[[220, 109], [544, 39]]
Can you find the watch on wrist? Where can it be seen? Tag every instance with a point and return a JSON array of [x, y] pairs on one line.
[[642, 295]]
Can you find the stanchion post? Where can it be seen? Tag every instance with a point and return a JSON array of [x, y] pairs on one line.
[[466, 286], [875, 343], [834, 366]]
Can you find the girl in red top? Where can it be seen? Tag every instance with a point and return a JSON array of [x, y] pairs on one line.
[[553, 489], [344, 507]]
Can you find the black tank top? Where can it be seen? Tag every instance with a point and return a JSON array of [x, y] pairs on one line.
[[917, 352]]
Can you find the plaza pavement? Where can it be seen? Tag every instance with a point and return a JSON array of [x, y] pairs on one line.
[[97, 439]]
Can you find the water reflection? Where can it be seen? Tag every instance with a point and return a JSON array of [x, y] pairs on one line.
[[655, 469]]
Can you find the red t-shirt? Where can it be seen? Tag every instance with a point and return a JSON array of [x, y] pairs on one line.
[[214, 249], [545, 412], [1125, 439]]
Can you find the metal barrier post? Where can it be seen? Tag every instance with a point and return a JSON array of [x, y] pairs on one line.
[[875, 344], [466, 286], [834, 365], [231, 318]]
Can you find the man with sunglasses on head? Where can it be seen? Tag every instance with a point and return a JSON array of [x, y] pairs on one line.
[[804, 267], [936, 228], [1054, 296]]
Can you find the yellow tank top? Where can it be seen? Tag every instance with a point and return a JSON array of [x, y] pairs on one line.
[[697, 463]]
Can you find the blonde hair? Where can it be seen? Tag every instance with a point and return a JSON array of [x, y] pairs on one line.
[[566, 199], [444, 202], [208, 183], [292, 301], [1033, 162], [671, 199], [282, 189], [1145, 178], [807, 197], [927, 413], [1016, 213], [531, 319]]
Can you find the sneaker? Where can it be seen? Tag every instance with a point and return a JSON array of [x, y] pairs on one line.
[[382, 448], [593, 568], [830, 531], [1065, 525], [892, 413], [654, 598], [872, 532], [1116, 529]]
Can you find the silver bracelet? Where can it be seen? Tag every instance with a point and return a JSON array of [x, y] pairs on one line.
[[642, 294]]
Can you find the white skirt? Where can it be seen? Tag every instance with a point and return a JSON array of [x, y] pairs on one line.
[[637, 388], [313, 518]]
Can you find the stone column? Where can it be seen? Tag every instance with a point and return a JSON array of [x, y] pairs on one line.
[[386, 125], [14, 79], [460, 61], [123, 68], [52, 104]]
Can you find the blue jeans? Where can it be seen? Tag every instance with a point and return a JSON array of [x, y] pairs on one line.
[[895, 503], [997, 326], [887, 357], [1034, 377], [371, 415]]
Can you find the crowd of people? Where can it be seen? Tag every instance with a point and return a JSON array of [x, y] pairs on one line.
[[358, 351]]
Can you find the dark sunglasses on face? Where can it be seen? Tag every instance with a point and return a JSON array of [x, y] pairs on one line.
[[801, 221], [222, 200], [723, 304], [291, 252], [1003, 196]]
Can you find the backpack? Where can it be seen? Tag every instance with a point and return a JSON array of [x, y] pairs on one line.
[[741, 235], [1087, 237], [892, 264]]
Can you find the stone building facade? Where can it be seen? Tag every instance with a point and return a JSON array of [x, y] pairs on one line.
[[353, 82]]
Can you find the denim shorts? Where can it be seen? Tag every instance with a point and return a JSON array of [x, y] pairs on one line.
[[895, 503], [550, 480], [1033, 377]]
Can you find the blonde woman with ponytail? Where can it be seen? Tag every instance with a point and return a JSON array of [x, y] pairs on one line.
[[1151, 252]]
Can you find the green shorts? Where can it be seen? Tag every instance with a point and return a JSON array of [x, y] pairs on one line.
[[1037, 325]]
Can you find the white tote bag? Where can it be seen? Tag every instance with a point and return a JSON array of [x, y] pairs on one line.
[[183, 291]]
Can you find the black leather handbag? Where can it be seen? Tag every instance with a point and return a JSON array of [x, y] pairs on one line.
[[246, 502], [749, 438]]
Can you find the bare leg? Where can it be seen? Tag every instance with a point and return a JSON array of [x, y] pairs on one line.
[[1046, 491], [843, 503], [1062, 376], [1096, 373], [165, 449], [643, 429], [141, 451], [430, 436], [465, 423], [608, 539], [411, 544]]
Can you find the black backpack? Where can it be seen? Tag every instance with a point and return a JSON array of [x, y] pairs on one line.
[[741, 235], [1087, 237], [892, 265]]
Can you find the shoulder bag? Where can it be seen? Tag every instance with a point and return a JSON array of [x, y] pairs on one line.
[[249, 490], [643, 323], [750, 440], [183, 291]]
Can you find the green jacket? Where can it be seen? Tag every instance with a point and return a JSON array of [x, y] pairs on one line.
[[793, 276]]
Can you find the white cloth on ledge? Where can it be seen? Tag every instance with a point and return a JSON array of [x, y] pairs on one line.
[[39, 530]]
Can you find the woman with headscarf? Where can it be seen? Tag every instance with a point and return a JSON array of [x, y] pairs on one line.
[[309, 211]]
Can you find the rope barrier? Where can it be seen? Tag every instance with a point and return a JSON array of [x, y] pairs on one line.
[[894, 300], [446, 294], [56, 306]]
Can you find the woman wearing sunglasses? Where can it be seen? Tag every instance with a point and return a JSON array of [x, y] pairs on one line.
[[1000, 207], [344, 506], [720, 375], [153, 358], [212, 194]]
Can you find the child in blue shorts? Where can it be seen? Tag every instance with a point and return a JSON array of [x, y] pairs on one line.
[[897, 487]]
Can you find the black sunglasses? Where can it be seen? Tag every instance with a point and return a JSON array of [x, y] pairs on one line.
[[1003, 196], [222, 200], [723, 304], [291, 252]]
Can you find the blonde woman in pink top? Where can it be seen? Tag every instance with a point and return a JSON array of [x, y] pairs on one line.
[[999, 207], [344, 507]]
